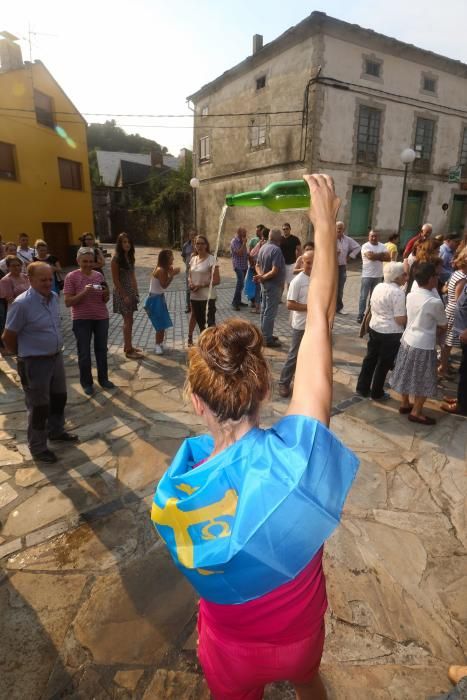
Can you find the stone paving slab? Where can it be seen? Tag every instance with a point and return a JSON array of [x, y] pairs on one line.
[[91, 605]]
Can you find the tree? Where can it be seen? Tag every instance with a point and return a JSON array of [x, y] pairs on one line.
[[110, 137]]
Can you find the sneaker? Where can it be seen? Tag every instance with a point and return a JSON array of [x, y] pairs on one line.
[[341, 312], [363, 394], [88, 390], [64, 437], [359, 319], [236, 307], [274, 343], [159, 350], [242, 303], [46, 456], [107, 384]]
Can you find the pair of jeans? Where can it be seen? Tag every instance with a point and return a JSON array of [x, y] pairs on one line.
[[462, 386], [199, 311], [271, 296], [44, 385], [341, 278], [366, 288], [84, 330], [457, 693], [381, 353], [288, 369], [237, 297], [187, 287]]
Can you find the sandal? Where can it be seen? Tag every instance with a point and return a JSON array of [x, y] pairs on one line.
[[133, 354], [405, 409], [422, 420], [452, 407]]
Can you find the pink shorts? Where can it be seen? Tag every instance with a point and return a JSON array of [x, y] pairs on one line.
[[240, 671]]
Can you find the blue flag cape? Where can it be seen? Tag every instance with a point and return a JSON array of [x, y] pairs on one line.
[[252, 517]]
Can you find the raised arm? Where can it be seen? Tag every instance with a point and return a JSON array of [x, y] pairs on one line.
[[312, 392]]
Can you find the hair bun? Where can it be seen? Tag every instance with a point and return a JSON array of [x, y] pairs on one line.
[[226, 347]]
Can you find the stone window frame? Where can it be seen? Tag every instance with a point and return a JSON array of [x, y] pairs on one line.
[[206, 156], [429, 116], [426, 75], [381, 107], [256, 128], [11, 173], [372, 58]]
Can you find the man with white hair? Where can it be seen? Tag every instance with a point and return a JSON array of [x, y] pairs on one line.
[[270, 272], [346, 248], [423, 235], [388, 318], [32, 331]]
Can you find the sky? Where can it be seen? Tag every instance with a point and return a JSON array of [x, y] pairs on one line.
[[145, 57]]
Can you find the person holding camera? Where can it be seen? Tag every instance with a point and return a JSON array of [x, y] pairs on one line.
[[87, 293]]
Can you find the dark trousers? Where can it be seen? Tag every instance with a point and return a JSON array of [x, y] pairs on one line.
[[44, 384], [341, 277], [237, 297], [288, 369], [199, 310], [381, 353], [84, 329], [462, 386], [187, 287]]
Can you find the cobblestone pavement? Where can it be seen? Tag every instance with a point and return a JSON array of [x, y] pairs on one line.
[[90, 603]]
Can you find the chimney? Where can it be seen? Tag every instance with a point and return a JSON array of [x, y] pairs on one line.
[[257, 43], [10, 53], [157, 159]]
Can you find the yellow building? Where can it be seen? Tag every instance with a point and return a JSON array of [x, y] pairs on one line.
[[45, 187]]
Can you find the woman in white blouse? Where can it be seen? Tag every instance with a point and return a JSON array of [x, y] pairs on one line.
[[199, 280], [388, 318], [415, 371]]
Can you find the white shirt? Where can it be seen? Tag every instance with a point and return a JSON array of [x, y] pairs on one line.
[[346, 247], [155, 286], [25, 255], [200, 272], [372, 268], [298, 291], [424, 315], [387, 301]]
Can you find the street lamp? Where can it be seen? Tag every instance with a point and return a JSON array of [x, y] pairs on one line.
[[407, 156], [194, 184]]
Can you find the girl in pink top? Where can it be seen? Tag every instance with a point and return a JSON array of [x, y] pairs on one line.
[[87, 293], [15, 282]]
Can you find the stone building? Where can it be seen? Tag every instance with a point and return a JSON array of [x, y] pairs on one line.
[[334, 97]]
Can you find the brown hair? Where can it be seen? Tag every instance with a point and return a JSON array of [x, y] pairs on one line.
[[228, 371], [11, 259]]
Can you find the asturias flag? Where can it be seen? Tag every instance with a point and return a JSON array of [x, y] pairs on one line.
[[251, 518]]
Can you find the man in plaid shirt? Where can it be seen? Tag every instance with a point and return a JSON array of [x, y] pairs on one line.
[[238, 249]]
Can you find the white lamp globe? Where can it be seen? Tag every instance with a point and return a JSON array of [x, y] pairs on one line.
[[408, 155], [194, 182]]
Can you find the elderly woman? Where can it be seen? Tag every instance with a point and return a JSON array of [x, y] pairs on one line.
[[87, 294], [245, 511], [388, 318], [415, 371], [455, 286], [15, 282]]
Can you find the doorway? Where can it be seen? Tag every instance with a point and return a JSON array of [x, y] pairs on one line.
[[413, 216], [57, 237], [360, 210], [458, 214]]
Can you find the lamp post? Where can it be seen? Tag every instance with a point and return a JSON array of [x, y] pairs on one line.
[[407, 156], [194, 184]]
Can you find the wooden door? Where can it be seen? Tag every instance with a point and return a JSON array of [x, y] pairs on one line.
[[360, 208], [458, 214], [413, 216], [57, 237]]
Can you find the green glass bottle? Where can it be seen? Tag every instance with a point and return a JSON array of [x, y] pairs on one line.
[[277, 196]]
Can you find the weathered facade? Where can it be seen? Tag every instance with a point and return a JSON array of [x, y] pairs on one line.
[[45, 188], [333, 97]]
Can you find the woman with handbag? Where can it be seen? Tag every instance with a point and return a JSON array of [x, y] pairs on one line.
[[415, 372], [388, 318]]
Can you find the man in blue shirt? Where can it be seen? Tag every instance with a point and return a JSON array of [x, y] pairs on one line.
[[270, 269], [32, 332], [447, 252]]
